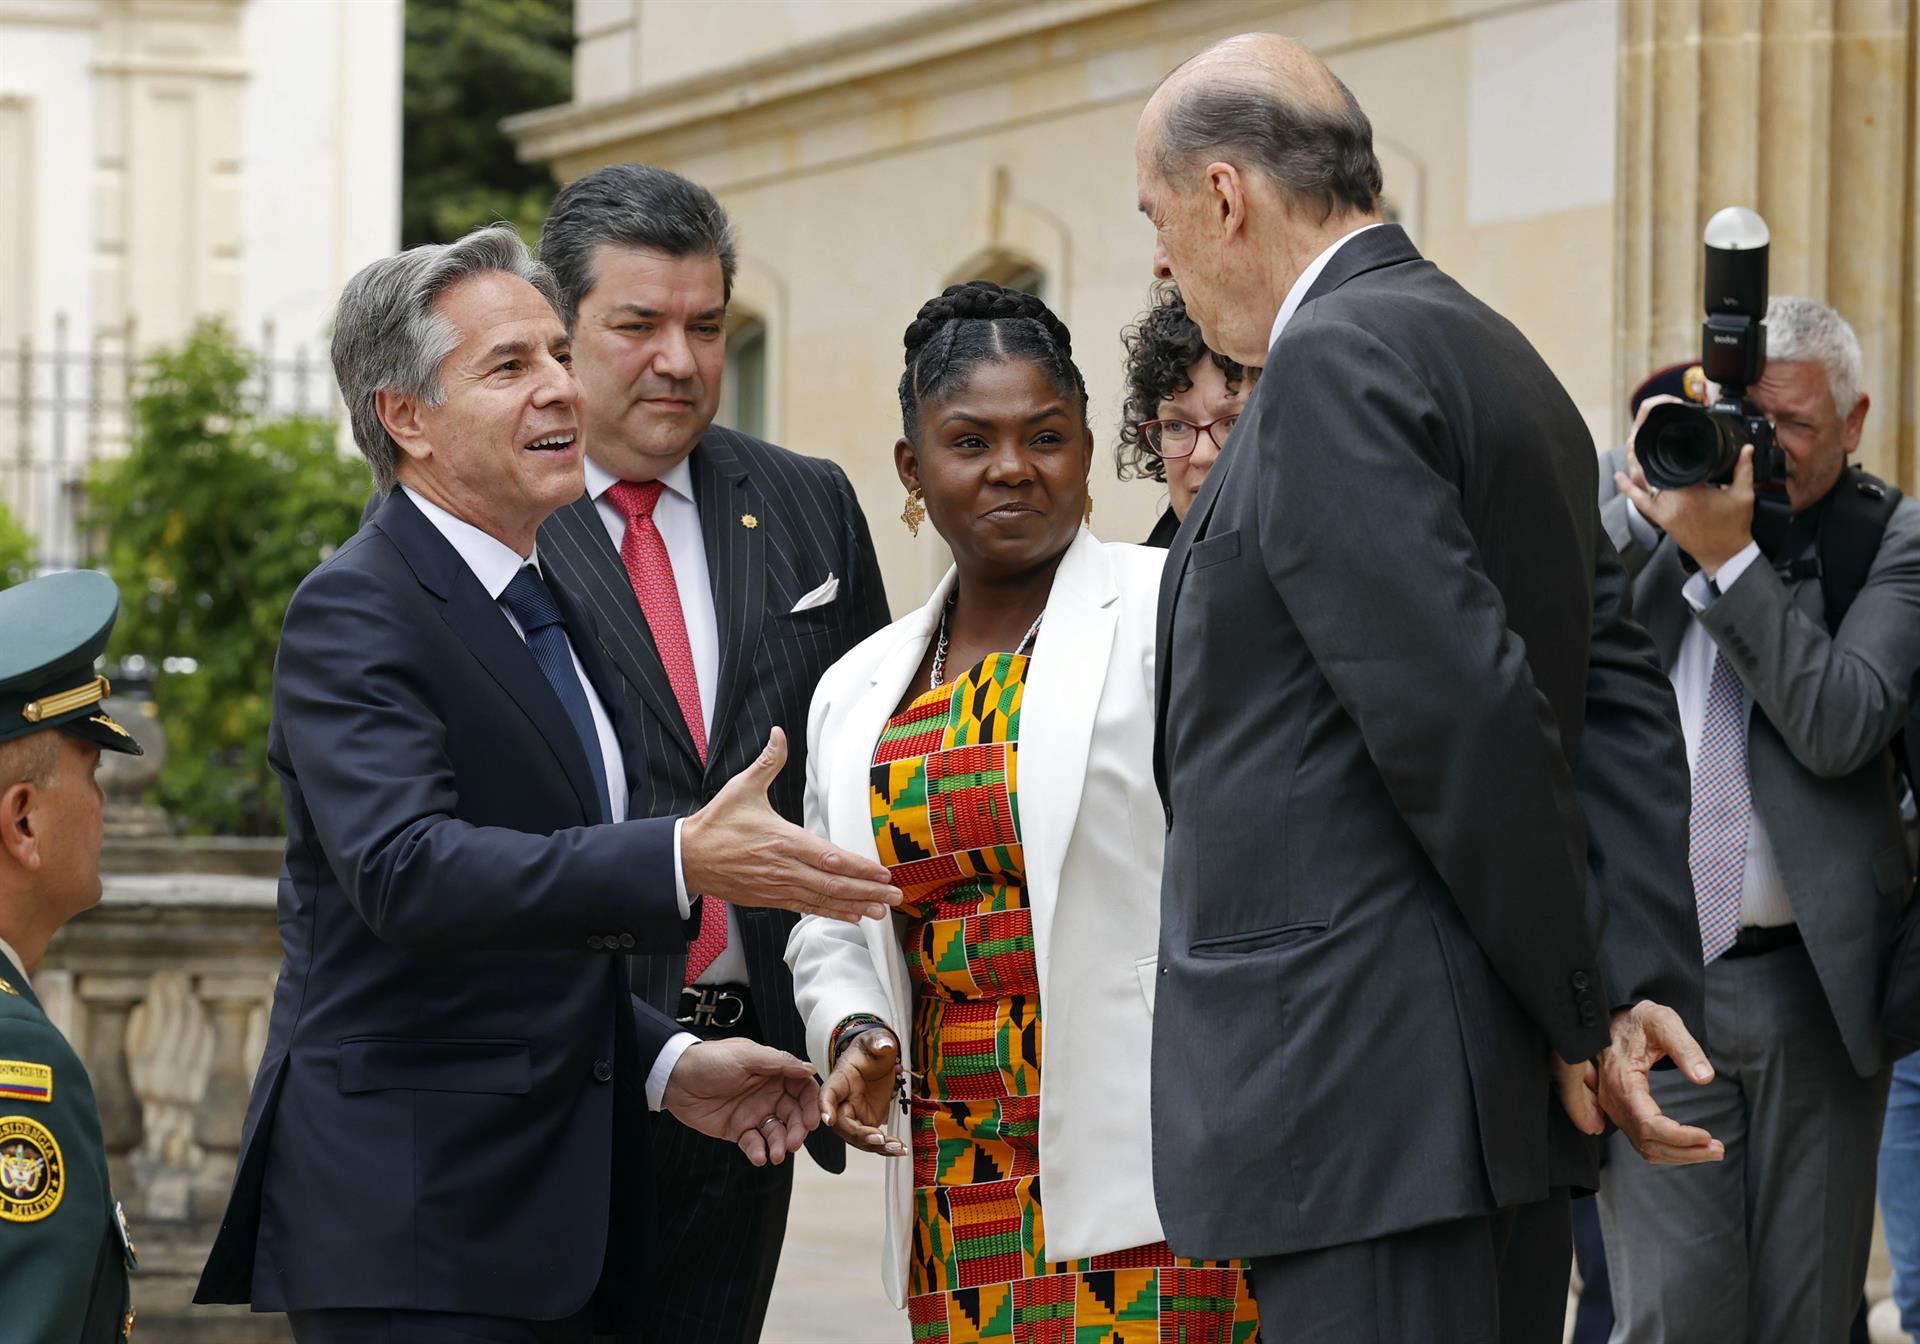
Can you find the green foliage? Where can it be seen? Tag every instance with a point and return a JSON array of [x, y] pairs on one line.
[[211, 521], [470, 63], [16, 551]]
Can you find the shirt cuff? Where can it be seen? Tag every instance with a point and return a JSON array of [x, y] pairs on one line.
[[1702, 593], [663, 1065], [680, 880], [1645, 535]]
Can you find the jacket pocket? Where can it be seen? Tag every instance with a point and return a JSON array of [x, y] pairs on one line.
[[1212, 550], [421, 1064], [1148, 971], [813, 621], [1257, 940]]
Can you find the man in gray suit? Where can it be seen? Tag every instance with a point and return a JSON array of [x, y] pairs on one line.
[[1390, 623], [1799, 865]]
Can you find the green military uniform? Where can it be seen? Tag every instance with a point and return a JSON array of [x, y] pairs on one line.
[[64, 1253]]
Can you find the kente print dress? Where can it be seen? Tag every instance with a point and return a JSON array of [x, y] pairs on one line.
[[946, 815]]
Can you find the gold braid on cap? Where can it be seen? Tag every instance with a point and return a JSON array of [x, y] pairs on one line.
[[49, 705]]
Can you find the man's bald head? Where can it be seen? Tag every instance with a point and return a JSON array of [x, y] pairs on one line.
[[1265, 103]]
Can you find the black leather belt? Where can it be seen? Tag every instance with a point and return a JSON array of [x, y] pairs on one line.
[[717, 1006], [1756, 940]]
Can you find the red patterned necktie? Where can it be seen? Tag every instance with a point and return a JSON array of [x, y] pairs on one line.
[[650, 570]]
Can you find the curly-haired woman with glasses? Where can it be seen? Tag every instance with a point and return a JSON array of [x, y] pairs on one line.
[[1182, 400]]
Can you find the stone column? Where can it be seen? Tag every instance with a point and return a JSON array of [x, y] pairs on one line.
[[1800, 109]]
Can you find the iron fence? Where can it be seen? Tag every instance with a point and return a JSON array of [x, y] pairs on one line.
[[66, 404]]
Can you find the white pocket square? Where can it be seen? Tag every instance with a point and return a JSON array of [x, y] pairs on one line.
[[819, 597]]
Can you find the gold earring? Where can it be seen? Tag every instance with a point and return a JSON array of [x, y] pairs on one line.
[[915, 513], [1088, 516]]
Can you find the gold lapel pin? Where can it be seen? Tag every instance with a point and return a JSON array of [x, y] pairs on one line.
[[748, 521]]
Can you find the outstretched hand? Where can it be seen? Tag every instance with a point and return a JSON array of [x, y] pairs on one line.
[[1615, 1086], [739, 850], [760, 1098], [854, 1101]]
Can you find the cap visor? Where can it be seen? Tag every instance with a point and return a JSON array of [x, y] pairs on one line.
[[104, 733]]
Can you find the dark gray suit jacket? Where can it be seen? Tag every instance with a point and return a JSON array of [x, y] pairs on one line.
[[1376, 632], [1828, 705], [806, 525]]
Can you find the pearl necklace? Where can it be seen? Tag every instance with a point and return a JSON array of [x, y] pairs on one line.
[[939, 671]]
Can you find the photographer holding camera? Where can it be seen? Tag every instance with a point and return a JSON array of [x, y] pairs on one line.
[[1791, 662]]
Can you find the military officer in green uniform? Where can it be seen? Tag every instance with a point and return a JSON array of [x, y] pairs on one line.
[[64, 1252]]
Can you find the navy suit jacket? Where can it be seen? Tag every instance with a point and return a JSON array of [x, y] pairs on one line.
[[449, 1056]]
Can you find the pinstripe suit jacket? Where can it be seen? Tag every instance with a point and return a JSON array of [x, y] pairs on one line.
[[807, 525]]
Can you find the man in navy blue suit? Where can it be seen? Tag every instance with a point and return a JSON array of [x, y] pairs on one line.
[[430, 1149]]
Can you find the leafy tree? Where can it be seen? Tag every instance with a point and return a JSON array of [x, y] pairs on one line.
[[470, 63], [211, 520], [16, 551]]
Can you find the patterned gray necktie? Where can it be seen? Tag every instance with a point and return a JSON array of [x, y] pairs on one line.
[[1722, 811]]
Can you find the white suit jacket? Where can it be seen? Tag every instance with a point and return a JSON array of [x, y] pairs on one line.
[[1092, 830]]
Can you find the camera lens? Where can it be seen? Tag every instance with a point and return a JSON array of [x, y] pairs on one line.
[[1680, 446]]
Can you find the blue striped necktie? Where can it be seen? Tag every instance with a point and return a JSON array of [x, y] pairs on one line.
[[532, 604]]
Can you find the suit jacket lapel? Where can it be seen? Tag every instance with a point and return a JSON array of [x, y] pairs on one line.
[[578, 530], [1660, 603], [1199, 514], [849, 774], [1062, 694], [485, 630], [736, 567]]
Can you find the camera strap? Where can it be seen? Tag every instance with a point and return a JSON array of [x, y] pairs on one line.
[[1853, 522]]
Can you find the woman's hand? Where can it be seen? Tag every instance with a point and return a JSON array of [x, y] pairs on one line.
[[854, 1102]]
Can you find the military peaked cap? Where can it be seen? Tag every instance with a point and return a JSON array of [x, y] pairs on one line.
[[52, 630]]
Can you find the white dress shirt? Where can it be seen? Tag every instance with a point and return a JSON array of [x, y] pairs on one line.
[[6, 949], [494, 563], [678, 519], [1298, 294], [1763, 896]]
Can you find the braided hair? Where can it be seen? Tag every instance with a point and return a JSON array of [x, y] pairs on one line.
[[1161, 347], [977, 323]]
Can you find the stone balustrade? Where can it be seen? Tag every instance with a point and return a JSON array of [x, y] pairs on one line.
[[164, 991]]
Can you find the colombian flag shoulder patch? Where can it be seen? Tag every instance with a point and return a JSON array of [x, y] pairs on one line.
[[21, 1080]]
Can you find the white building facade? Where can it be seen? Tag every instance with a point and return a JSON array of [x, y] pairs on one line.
[[162, 161]]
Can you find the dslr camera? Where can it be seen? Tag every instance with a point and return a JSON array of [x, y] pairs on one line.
[[1679, 446]]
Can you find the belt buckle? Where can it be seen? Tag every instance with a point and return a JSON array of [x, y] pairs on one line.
[[726, 998], [704, 1006]]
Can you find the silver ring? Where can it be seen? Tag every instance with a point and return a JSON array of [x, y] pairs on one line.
[[770, 1120]]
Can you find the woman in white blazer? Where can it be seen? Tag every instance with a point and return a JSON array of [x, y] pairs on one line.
[[994, 750]]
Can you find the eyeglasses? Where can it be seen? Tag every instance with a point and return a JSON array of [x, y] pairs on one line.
[[1173, 439]]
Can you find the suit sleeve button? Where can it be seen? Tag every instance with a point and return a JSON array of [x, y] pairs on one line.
[[626, 940], [1580, 980], [602, 1070], [595, 941]]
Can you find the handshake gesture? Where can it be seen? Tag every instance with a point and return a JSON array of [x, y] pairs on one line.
[[739, 850]]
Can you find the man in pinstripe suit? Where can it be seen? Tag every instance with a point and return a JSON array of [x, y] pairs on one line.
[[727, 574]]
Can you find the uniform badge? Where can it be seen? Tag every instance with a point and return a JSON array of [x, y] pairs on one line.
[[6, 987], [126, 1237], [33, 1175], [24, 1081], [748, 521]]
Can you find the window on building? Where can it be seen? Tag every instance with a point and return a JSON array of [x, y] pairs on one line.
[[743, 390]]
